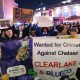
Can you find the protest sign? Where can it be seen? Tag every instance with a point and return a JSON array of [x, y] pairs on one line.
[[44, 21], [16, 70], [54, 59]]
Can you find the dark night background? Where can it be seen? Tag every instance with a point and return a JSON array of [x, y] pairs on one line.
[[32, 4]]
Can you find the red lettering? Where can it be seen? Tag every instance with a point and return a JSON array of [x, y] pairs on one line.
[[56, 64], [45, 64], [70, 64], [66, 64], [50, 64]]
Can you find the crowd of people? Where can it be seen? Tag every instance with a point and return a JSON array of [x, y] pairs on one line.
[[21, 31], [9, 49]]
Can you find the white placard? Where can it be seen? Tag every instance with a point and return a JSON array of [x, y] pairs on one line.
[[16, 71], [43, 21]]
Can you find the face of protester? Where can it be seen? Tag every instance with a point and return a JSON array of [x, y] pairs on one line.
[[64, 32], [9, 33], [73, 33], [45, 30], [21, 28], [65, 27], [33, 32]]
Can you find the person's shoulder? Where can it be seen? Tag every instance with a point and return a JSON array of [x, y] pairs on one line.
[[3, 37]]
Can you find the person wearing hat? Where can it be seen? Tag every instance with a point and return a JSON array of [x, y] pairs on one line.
[[8, 35], [73, 33]]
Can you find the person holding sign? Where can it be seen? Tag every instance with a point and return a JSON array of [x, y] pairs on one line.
[[16, 61], [73, 35], [45, 31]]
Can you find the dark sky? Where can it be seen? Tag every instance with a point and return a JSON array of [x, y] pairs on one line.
[[32, 4]]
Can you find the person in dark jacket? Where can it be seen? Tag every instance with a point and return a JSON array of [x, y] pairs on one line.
[[9, 49], [45, 32], [4, 65], [22, 32], [78, 73], [32, 33], [64, 77], [13, 49], [8, 35]]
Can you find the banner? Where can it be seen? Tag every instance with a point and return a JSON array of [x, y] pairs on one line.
[[44, 21], [56, 59], [22, 15]]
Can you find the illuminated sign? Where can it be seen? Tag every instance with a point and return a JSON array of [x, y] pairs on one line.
[[23, 15]]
